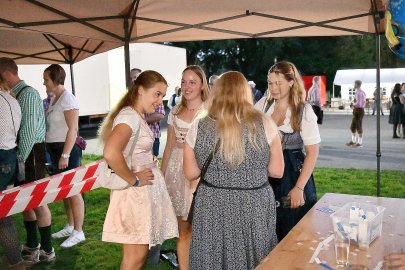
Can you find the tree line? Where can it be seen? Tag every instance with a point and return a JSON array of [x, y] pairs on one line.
[[311, 55]]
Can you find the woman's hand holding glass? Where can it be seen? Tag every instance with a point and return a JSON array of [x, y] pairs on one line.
[[297, 197]]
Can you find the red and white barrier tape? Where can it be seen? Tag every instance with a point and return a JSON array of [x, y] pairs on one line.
[[50, 189]]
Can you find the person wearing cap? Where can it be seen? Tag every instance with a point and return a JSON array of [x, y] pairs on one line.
[[257, 94]]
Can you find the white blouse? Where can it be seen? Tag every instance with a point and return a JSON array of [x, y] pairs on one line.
[[56, 126], [309, 126]]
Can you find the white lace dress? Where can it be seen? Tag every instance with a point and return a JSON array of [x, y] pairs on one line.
[[180, 189], [142, 215]]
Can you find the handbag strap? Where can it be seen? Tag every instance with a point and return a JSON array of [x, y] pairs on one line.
[[133, 148], [207, 163]]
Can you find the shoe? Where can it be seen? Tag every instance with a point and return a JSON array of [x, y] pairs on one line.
[[47, 256], [358, 145], [65, 232], [74, 239], [30, 255], [350, 143]]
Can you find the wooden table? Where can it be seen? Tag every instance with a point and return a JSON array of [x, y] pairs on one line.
[[297, 248]]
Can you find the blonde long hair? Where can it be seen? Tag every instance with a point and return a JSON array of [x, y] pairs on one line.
[[231, 105], [296, 96], [147, 80], [205, 90]]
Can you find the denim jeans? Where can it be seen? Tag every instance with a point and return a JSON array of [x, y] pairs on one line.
[[8, 167], [55, 151]]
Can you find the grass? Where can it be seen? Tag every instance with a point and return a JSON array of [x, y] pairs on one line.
[[95, 254]]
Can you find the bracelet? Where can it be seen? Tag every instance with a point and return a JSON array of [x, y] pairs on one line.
[[65, 155], [137, 181], [299, 188]]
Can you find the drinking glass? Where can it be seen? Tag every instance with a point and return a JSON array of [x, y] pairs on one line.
[[342, 248]]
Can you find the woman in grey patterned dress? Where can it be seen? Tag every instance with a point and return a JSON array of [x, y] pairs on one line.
[[235, 213]]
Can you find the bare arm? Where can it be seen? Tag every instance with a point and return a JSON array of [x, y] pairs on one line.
[[308, 166], [276, 163], [171, 141], [190, 167], [402, 99], [113, 154], [154, 117], [72, 122]]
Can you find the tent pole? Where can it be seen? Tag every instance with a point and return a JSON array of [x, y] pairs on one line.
[[126, 53], [378, 97], [72, 79]]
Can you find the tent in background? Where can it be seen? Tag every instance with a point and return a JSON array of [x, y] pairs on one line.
[[388, 78]]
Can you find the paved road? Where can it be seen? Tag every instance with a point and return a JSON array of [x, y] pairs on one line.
[[333, 152]]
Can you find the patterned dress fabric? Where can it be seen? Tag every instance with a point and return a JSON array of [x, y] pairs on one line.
[[180, 189], [232, 229], [140, 215]]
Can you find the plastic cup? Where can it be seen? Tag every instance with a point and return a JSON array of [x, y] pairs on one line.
[[342, 248]]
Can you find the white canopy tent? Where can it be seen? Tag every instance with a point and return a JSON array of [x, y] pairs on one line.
[[388, 78]]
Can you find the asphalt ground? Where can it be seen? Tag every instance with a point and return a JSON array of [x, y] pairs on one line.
[[333, 153]]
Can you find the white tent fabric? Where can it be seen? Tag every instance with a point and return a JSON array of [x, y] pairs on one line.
[[387, 75]]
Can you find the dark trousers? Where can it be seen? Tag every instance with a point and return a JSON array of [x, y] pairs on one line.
[[35, 164], [357, 121], [55, 151]]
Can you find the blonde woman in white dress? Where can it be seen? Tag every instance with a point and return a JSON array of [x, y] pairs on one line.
[[194, 87]]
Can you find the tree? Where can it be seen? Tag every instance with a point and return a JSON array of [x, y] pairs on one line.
[[311, 55]]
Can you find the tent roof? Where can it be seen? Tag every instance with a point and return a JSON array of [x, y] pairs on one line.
[[387, 75], [180, 20]]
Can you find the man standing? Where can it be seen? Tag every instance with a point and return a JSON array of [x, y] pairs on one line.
[[31, 150], [375, 102], [256, 93], [358, 114], [134, 74], [211, 81]]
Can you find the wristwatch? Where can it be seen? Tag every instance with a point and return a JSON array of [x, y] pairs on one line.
[[65, 155], [137, 181]]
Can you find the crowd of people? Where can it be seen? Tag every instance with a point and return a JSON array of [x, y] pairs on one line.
[[29, 132], [242, 167], [214, 127]]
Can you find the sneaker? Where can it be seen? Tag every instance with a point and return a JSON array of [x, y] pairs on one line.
[[74, 239], [358, 145], [47, 256], [350, 143], [65, 232], [30, 255]]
